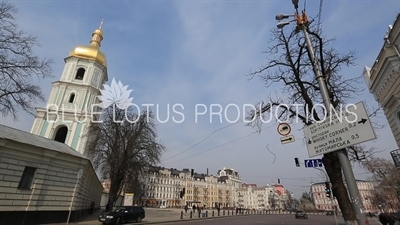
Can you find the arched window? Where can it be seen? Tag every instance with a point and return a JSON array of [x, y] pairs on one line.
[[61, 134], [71, 98], [79, 74]]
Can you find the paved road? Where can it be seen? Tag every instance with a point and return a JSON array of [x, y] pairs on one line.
[[265, 220]]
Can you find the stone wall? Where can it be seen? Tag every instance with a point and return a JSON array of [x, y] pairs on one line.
[[49, 195]]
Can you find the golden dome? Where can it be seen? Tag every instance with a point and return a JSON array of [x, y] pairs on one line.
[[92, 51]]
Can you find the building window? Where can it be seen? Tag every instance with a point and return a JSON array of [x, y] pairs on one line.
[[71, 98], [61, 134], [79, 74], [398, 118], [27, 177]]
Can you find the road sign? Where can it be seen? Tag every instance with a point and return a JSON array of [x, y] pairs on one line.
[[343, 129], [287, 139], [284, 129], [311, 163]]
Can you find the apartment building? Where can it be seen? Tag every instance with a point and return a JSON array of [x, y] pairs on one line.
[[386, 199], [269, 197], [383, 78], [233, 178], [321, 202], [162, 188]]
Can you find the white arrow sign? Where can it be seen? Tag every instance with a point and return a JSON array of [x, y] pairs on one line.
[[341, 130], [287, 139]]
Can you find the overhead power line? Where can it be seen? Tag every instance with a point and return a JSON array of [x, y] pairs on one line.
[[203, 139], [229, 142], [293, 178]]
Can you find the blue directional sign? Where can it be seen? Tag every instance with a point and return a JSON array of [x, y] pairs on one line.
[[311, 163]]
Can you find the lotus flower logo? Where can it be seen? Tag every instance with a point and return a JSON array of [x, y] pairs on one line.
[[117, 94]]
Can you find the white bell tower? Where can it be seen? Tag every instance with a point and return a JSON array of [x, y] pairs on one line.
[[68, 113]]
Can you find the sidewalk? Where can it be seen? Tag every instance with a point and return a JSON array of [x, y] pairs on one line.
[[153, 216], [91, 219], [156, 216]]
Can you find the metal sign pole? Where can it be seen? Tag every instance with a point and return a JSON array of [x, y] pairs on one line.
[[78, 175], [333, 205], [342, 154]]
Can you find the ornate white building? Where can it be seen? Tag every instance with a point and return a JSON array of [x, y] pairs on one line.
[[265, 197], [163, 187], [321, 202], [383, 79], [233, 178], [69, 111]]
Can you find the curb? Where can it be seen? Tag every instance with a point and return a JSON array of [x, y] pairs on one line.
[[207, 218], [193, 219]]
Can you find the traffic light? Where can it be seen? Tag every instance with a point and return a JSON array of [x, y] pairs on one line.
[[327, 190], [192, 172], [181, 194], [184, 191], [296, 161]]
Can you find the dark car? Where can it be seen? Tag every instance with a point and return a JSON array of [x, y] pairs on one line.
[[301, 214], [329, 213], [123, 214]]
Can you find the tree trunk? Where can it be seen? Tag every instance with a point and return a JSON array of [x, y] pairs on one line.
[[339, 190], [112, 197], [113, 192]]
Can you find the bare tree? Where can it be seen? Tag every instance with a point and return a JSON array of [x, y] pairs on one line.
[[289, 203], [19, 66], [273, 202], [388, 179], [139, 186], [288, 65], [296, 203], [306, 195], [121, 151]]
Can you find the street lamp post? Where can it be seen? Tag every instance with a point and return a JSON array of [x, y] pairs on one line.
[[302, 24]]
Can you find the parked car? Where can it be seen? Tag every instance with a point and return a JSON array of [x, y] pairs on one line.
[[330, 213], [301, 214], [120, 215]]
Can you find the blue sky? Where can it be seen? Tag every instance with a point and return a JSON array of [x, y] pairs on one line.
[[198, 52]]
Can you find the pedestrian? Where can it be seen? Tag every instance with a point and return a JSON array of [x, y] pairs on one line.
[[194, 208], [91, 207], [186, 208], [108, 206]]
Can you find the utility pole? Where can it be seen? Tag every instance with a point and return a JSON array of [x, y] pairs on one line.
[[355, 199], [302, 24]]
